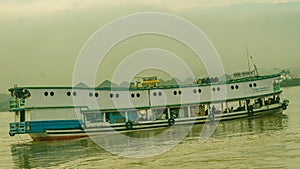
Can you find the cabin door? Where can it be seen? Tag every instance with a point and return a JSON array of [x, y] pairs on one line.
[[22, 115]]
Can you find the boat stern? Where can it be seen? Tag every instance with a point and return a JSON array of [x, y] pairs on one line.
[[18, 128]]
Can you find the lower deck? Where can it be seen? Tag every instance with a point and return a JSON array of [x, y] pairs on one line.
[[57, 129]]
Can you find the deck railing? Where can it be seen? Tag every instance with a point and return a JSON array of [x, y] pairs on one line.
[[16, 103]]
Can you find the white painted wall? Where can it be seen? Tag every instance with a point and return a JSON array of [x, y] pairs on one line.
[[124, 99], [52, 114]]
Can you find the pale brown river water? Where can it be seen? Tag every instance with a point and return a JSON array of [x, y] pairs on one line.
[[264, 142]]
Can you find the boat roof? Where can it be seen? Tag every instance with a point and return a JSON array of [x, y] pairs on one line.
[[246, 79]]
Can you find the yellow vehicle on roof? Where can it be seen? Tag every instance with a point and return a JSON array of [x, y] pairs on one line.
[[145, 82]]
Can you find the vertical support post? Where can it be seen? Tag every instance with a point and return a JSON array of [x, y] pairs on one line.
[[147, 117], [17, 103], [169, 113], [227, 109], [22, 115], [126, 116], [189, 111], [84, 120], [208, 109], [104, 116], [222, 107], [153, 113]]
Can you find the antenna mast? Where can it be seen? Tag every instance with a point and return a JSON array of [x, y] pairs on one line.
[[248, 58], [251, 58]]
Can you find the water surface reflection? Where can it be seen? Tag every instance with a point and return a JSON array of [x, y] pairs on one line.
[[57, 153]]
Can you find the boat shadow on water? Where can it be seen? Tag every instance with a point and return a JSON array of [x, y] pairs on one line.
[[57, 153], [247, 126]]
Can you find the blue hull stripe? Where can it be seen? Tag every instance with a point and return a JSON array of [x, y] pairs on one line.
[[41, 126]]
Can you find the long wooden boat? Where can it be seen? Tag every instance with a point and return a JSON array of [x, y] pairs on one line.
[[47, 113]]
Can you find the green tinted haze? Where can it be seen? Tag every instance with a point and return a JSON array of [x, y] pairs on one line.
[[40, 40]]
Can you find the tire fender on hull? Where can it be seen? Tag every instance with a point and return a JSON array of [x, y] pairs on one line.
[[284, 106], [129, 125], [171, 122], [211, 117]]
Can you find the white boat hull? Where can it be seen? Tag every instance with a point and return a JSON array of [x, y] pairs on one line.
[[150, 125]]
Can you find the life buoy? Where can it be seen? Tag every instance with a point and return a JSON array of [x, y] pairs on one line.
[[283, 106], [211, 117], [11, 134], [171, 122], [129, 125]]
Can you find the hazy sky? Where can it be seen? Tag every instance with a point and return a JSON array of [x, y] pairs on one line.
[[40, 40]]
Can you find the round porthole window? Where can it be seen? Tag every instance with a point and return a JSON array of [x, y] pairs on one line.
[[46, 93], [51, 93], [132, 95]]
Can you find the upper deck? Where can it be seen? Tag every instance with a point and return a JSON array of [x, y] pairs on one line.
[[113, 98]]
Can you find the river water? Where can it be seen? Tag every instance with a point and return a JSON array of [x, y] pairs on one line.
[[264, 142]]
